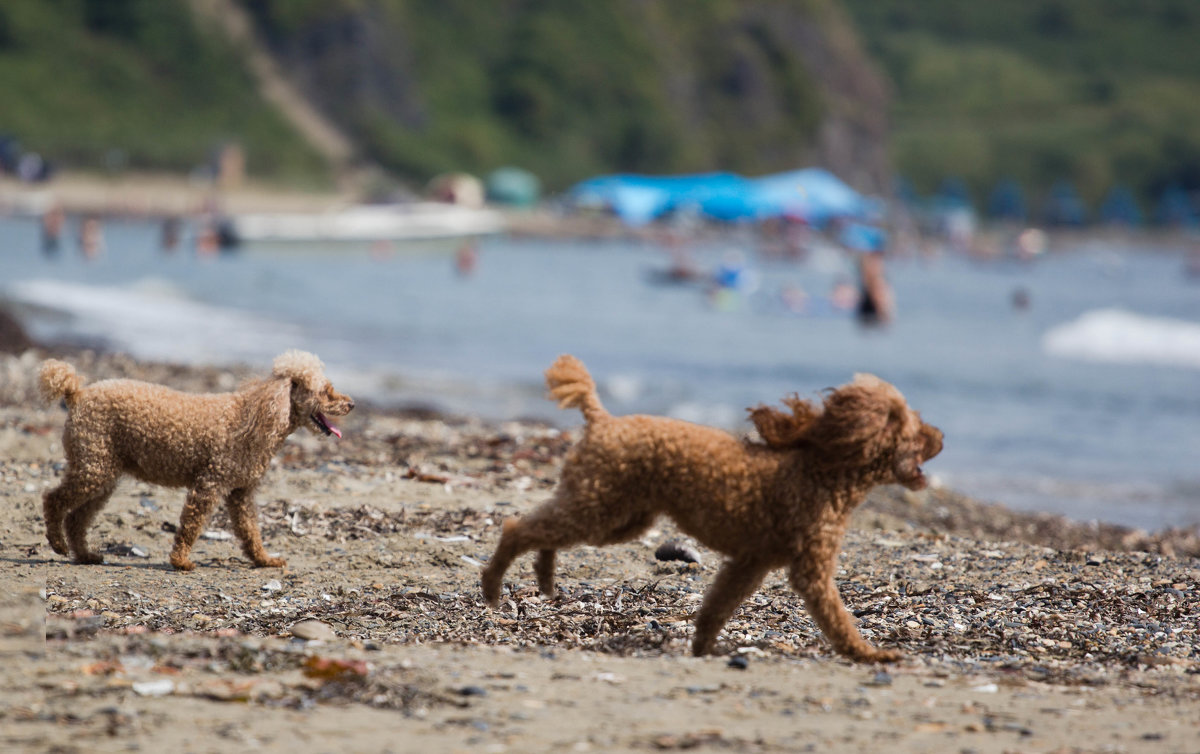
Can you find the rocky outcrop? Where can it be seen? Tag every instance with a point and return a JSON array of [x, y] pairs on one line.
[[753, 87]]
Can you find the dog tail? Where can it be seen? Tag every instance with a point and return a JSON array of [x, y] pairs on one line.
[[58, 379], [571, 385]]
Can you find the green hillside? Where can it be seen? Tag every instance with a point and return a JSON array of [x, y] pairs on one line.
[[427, 86], [1092, 91], [108, 84], [573, 89]]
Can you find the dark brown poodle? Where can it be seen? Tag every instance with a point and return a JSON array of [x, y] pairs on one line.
[[216, 445], [781, 502]]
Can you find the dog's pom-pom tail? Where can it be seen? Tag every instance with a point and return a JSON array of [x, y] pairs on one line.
[[571, 385], [58, 379]]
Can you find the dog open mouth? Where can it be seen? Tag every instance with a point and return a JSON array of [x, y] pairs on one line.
[[324, 425]]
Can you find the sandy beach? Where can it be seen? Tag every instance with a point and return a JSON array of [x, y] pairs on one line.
[[1022, 632]]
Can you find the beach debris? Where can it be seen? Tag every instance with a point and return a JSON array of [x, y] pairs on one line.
[[677, 550], [272, 586], [157, 687], [881, 678], [237, 689], [713, 737], [217, 535], [739, 662], [103, 667], [313, 630], [126, 550], [332, 669]]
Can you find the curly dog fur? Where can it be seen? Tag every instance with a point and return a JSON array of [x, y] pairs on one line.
[[780, 502], [216, 445]]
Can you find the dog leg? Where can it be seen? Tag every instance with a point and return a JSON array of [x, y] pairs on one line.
[[69, 510], [546, 530], [55, 504], [244, 516], [736, 581], [509, 548], [199, 505], [77, 523], [553, 526], [543, 566], [815, 584]]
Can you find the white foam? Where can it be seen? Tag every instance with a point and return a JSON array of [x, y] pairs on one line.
[[151, 319], [1119, 336], [624, 387]]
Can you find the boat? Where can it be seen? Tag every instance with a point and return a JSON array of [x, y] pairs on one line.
[[374, 227]]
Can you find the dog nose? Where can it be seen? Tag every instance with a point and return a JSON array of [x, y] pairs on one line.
[[349, 405]]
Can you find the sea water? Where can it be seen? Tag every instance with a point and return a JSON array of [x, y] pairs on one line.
[[1086, 402]]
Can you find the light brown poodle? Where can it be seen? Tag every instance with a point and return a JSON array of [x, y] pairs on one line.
[[217, 445], [781, 502]]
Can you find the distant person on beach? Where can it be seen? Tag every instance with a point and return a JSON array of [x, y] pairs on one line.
[[1191, 267], [91, 237], [465, 259], [843, 297], [1020, 299], [875, 303], [53, 221], [169, 241], [1030, 244], [208, 243], [683, 267]]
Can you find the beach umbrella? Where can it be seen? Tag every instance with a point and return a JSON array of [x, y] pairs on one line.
[[1120, 208], [1064, 205], [953, 191], [513, 186], [1175, 207], [812, 194], [1007, 201]]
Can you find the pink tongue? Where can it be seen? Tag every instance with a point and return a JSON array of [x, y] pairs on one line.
[[325, 420]]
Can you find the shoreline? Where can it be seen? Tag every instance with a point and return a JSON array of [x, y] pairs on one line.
[[161, 195]]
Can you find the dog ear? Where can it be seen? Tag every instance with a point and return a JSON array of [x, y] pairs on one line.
[[860, 421], [266, 411], [780, 430]]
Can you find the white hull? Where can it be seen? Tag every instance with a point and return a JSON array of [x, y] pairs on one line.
[[396, 225]]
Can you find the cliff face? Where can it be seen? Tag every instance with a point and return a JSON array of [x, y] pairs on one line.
[[570, 90]]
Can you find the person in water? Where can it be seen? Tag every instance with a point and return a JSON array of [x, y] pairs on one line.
[[875, 302]]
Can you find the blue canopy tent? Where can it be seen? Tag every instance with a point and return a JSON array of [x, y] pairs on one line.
[[1121, 208], [813, 195]]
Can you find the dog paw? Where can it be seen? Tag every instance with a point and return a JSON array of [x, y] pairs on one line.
[[89, 558], [700, 649], [182, 564], [60, 548], [491, 591], [879, 655], [270, 563]]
